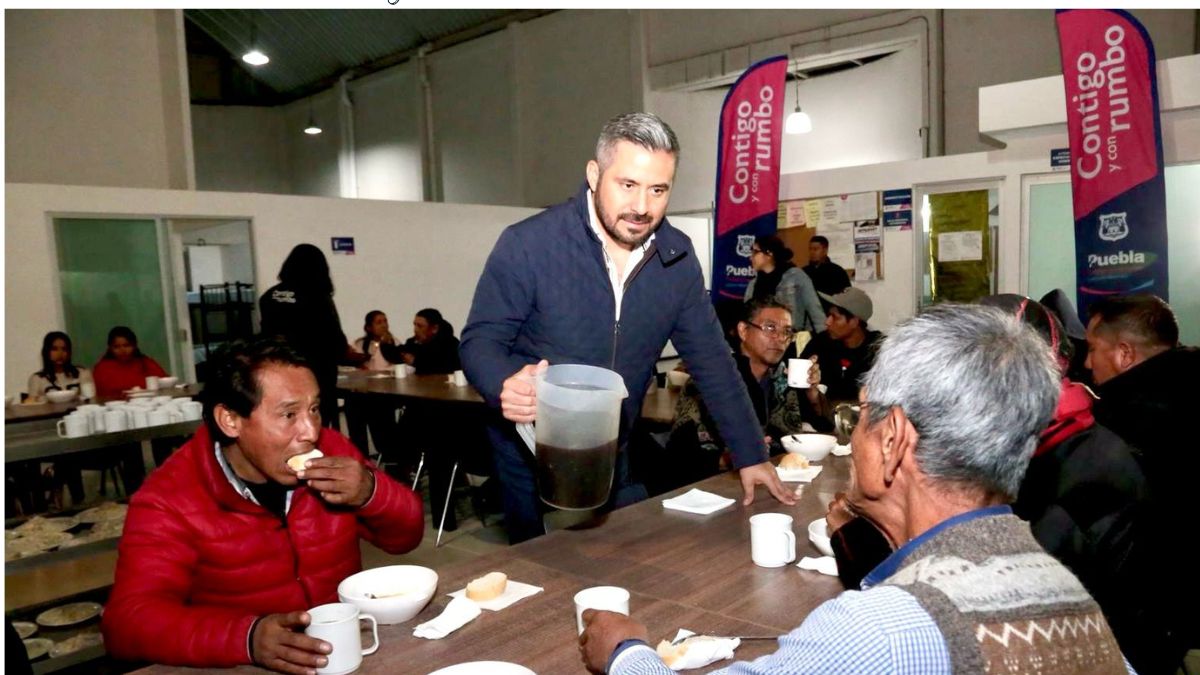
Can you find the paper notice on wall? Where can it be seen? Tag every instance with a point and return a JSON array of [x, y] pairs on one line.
[[960, 246], [831, 210], [860, 206], [867, 230], [812, 212], [796, 216], [866, 261], [841, 242]]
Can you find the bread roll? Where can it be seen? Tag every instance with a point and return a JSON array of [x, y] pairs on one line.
[[296, 462], [488, 586], [670, 653], [793, 461]]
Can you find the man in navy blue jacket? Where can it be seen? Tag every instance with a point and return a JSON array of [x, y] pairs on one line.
[[604, 280]]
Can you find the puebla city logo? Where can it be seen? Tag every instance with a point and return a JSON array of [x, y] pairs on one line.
[[1113, 226], [745, 243]]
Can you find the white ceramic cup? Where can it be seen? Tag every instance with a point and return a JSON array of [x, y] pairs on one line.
[[115, 420], [116, 403], [159, 417], [151, 383], [74, 425], [139, 417], [192, 410], [798, 373], [611, 598], [772, 542], [99, 424], [460, 378], [337, 624], [87, 390], [399, 371]]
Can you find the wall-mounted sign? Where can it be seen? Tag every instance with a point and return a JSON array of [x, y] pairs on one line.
[[897, 209], [342, 245], [1060, 159]]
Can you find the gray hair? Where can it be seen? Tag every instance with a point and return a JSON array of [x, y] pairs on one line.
[[640, 128], [978, 385]]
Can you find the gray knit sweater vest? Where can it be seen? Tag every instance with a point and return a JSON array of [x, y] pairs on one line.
[[1004, 605]]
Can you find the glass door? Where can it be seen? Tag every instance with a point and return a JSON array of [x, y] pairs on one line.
[[110, 273], [956, 257]]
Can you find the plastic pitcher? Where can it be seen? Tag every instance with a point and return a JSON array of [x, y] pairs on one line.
[[575, 443]]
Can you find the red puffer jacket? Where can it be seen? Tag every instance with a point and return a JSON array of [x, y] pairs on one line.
[[198, 563]]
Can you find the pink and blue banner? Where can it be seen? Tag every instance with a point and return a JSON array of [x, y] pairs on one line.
[[747, 173], [1117, 188]]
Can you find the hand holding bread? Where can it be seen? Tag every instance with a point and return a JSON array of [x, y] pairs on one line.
[[342, 481]]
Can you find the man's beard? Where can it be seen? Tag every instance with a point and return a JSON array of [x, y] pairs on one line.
[[609, 224]]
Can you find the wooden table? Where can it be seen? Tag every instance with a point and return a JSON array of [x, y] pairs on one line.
[[41, 440], [682, 571]]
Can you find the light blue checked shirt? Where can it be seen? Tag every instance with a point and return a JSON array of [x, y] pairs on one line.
[[880, 630]]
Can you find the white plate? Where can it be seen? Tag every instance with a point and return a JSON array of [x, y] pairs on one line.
[[36, 648], [74, 644], [484, 668], [69, 615], [140, 393]]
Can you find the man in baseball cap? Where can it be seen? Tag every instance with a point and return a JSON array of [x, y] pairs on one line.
[[846, 349]]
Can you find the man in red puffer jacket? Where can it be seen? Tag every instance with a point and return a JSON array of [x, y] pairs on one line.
[[225, 545]]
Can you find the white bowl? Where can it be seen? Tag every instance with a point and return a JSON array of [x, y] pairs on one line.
[[164, 382], [814, 447], [60, 396], [818, 534], [408, 589]]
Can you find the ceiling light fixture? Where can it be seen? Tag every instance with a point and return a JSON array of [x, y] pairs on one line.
[[254, 56], [312, 129], [798, 121]]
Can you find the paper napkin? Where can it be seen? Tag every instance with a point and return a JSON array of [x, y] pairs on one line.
[[697, 501], [702, 650], [825, 565], [513, 592], [457, 614]]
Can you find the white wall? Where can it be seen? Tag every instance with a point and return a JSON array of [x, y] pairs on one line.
[[312, 161], [994, 46], [240, 148], [575, 71], [96, 97], [387, 134], [474, 121], [409, 255]]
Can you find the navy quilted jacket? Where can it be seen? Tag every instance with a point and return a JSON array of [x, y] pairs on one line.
[[545, 293]]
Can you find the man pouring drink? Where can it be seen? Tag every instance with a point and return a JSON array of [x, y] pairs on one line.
[[603, 280]]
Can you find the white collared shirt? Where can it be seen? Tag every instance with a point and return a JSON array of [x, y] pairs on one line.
[[635, 256], [239, 485]]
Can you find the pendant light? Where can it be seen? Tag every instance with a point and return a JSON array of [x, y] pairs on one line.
[[798, 121], [312, 128], [254, 56]]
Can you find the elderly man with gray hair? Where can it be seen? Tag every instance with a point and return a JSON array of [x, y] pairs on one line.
[[952, 410], [604, 280]]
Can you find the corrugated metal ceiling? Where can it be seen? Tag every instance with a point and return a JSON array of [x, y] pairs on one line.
[[308, 46]]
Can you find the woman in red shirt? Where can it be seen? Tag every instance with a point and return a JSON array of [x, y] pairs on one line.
[[123, 366]]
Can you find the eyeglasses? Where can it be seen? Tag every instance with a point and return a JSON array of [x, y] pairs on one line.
[[774, 332], [755, 250]]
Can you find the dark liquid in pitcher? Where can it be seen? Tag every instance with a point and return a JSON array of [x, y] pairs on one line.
[[575, 479]]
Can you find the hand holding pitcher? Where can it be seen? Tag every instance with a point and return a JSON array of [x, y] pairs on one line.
[[518, 396]]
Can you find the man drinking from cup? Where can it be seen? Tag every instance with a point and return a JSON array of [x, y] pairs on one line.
[[764, 332], [951, 414], [227, 544]]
